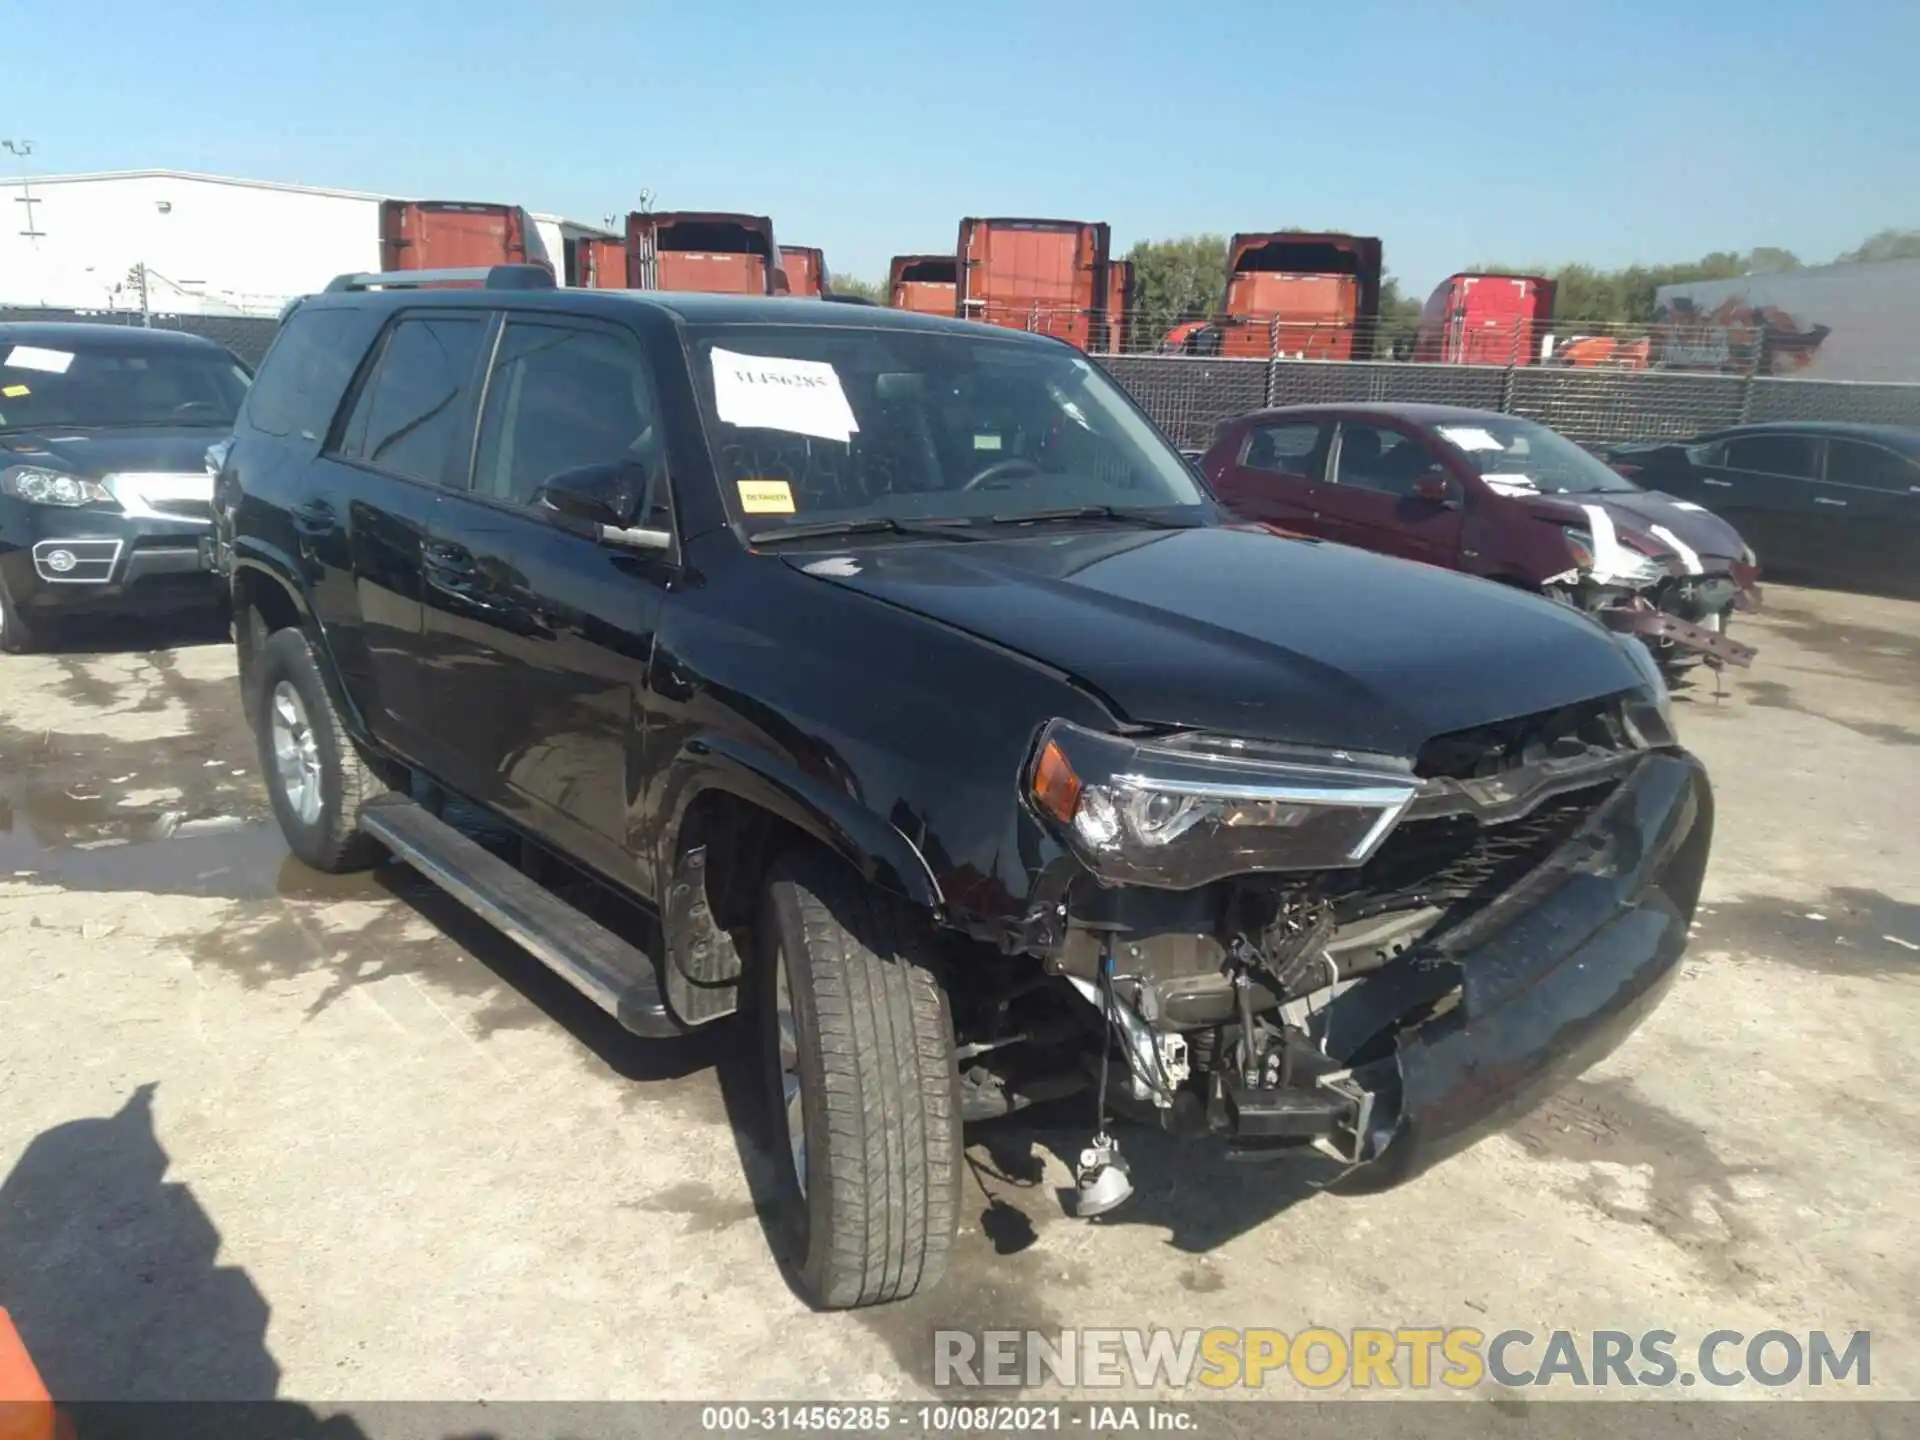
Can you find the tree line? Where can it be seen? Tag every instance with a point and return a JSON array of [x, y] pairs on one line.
[[1186, 276]]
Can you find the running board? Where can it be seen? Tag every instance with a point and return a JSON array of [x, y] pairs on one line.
[[616, 976]]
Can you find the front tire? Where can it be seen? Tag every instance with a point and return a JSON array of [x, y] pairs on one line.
[[17, 636], [863, 1087], [315, 776]]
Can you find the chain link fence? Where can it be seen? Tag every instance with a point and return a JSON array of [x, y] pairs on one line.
[[1189, 395], [247, 336]]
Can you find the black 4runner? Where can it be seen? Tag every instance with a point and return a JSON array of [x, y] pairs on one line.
[[915, 683]]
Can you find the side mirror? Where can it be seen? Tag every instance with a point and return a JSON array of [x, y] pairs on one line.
[[1435, 486], [604, 500]]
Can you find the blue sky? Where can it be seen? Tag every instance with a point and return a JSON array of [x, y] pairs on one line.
[[1457, 132]]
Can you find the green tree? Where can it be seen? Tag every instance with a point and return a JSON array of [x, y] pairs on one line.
[[1887, 245], [1175, 280], [850, 285]]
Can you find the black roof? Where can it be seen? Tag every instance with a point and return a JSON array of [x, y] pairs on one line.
[[694, 308], [76, 334], [1905, 438]]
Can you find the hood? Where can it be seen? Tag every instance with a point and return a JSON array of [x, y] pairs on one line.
[[91, 453], [1699, 529], [1242, 632]]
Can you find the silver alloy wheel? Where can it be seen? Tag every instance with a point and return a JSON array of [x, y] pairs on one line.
[[787, 1033], [296, 753]]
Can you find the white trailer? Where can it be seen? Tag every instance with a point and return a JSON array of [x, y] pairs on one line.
[[1830, 322]]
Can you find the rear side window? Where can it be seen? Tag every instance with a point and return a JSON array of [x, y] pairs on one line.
[[1852, 462], [1794, 455], [561, 398], [409, 417], [307, 371], [1285, 449]]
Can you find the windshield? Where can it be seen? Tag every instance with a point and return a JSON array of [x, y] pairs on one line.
[[814, 424], [87, 384], [1518, 457]]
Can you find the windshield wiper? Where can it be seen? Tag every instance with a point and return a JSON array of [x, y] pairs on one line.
[[1155, 519], [943, 529]]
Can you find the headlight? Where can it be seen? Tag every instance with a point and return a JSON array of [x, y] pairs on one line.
[[1623, 567], [1747, 557], [38, 486], [1655, 682], [1184, 812]]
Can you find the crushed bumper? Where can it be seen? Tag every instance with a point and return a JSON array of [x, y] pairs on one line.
[[1518, 999], [1662, 628]]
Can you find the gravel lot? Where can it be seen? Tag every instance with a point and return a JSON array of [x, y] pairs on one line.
[[264, 1131]]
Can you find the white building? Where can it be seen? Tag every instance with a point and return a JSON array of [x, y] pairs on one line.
[[204, 244]]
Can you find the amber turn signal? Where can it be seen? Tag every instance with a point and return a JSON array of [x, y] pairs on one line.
[[1056, 789]]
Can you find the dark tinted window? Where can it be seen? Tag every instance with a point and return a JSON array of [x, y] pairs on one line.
[[561, 398], [1852, 462], [407, 419], [1793, 455], [1285, 449], [1373, 457], [307, 371]]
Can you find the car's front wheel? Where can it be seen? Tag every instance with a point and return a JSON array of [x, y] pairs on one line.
[[316, 778], [17, 635], [858, 1045]]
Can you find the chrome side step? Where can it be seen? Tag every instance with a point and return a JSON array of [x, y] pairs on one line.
[[616, 976]]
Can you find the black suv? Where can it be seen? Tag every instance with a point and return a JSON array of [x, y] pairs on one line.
[[106, 486], [912, 680]]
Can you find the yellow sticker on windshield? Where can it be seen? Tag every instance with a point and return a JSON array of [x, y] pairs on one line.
[[766, 497], [14, 392]]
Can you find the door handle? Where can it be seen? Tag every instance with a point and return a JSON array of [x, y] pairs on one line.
[[313, 517], [1823, 500]]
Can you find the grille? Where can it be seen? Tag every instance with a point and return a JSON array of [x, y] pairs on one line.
[[1455, 861]]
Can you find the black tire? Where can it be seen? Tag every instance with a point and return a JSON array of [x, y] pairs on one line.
[[327, 837], [18, 636], [878, 1086]]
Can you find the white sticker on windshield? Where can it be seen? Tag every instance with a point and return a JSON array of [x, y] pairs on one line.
[[1512, 484], [772, 392], [32, 357], [1471, 437]]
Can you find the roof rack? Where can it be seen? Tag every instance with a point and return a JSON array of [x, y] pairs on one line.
[[489, 277]]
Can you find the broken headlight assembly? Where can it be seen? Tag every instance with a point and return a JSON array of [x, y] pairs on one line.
[[1621, 566], [1654, 689], [39, 486], [1184, 811]]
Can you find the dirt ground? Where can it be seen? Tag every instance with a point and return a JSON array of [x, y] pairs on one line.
[[265, 1132]]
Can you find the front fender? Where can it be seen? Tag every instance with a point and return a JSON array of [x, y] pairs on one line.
[[266, 564], [865, 840]]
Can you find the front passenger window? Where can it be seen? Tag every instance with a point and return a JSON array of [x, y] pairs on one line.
[[561, 398]]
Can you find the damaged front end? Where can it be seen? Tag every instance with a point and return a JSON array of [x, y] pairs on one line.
[[1659, 590], [1371, 958]]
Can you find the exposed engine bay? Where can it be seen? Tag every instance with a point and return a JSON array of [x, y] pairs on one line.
[[1264, 1007]]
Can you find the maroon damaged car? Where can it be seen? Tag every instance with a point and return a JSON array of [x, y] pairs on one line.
[[1500, 497]]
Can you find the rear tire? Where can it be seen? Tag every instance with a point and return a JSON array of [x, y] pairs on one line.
[[314, 774], [866, 1102]]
